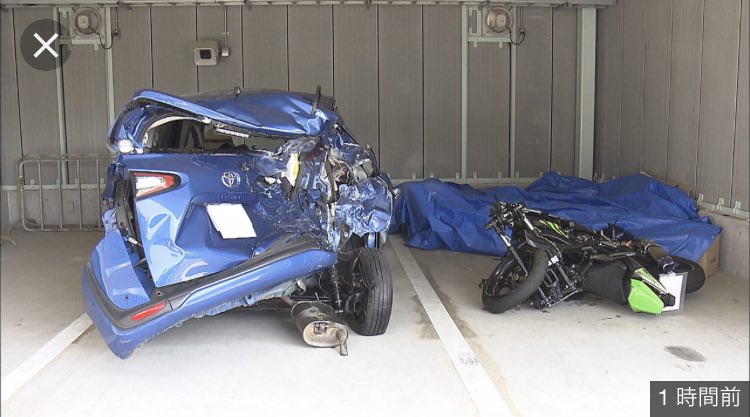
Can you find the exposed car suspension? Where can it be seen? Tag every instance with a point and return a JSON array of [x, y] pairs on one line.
[[336, 288]]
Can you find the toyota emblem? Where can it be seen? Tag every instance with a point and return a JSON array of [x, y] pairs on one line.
[[230, 179]]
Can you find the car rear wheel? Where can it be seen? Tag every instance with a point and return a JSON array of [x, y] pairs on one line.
[[371, 274]]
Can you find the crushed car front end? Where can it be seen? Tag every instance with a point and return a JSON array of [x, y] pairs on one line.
[[224, 200]]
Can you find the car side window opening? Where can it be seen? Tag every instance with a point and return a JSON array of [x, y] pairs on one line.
[[186, 135]]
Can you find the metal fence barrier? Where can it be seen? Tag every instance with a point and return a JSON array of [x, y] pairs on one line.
[[70, 173]]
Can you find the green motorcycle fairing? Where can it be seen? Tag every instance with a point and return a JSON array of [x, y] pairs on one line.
[[554, 227], [642, 299]]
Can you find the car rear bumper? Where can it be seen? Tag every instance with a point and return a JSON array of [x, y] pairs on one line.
[[193, 299]]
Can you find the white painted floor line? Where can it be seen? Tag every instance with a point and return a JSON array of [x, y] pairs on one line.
[[19, 376], [478, 384]]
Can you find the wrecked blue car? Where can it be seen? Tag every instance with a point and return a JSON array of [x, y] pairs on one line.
[[237, 199]]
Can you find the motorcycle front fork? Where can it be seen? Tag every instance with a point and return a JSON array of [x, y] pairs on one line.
[[512, 250]]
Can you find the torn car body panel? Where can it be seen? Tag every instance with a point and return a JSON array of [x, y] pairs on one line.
[[282, 163], [274, 113], [124, 330]]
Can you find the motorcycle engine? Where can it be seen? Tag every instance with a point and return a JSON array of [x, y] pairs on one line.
[[560, 283]]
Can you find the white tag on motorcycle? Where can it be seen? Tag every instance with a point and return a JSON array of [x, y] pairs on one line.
[[553, 261], [231, 221]]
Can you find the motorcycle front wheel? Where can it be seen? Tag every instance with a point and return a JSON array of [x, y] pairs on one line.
[[508, 285]]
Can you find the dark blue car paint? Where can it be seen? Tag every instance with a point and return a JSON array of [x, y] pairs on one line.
[[215, 299], [176, 237], [175, 227], [125, 285], [273, 113]]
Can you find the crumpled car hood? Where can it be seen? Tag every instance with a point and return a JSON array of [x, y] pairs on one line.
[[274, 113]]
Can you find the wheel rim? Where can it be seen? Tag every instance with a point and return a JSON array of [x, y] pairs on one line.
[[505, 284]]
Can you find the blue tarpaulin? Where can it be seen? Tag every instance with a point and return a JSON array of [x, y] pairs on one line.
[[432, 214]]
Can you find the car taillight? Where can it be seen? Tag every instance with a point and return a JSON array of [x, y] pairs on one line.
[[148, 183], [149, 311]]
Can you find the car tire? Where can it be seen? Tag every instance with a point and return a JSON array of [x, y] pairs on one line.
[[372, 268]]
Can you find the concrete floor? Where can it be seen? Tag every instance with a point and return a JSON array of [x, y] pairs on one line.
[[587, 357]]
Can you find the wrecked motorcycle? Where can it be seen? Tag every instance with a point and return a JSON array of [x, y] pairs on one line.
[[239, 199], [551, 259]]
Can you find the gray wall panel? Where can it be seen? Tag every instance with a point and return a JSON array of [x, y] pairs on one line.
[[401, 96], [633, 55], [131, 54], [534, 94], [356, 70], [40, 125], [489, 111], [85, 81], [656, 87], [718, 98], [173, 38], [684, 92], [564, 32], [394, 70], [4, 209], [311, 49], [10, 121], [90, 200], [86, 116], [609, 90], [442, 91], [598, 97], [264, 54], [39, 121], [741, 176], [228, 72]]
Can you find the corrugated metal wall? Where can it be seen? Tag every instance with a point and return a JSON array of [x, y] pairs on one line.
[[394, 70], [672, 94]]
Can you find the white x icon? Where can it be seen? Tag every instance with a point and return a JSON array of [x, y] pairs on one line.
[[45, 45]]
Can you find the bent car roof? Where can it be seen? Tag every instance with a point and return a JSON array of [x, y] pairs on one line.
[[272, 112]]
